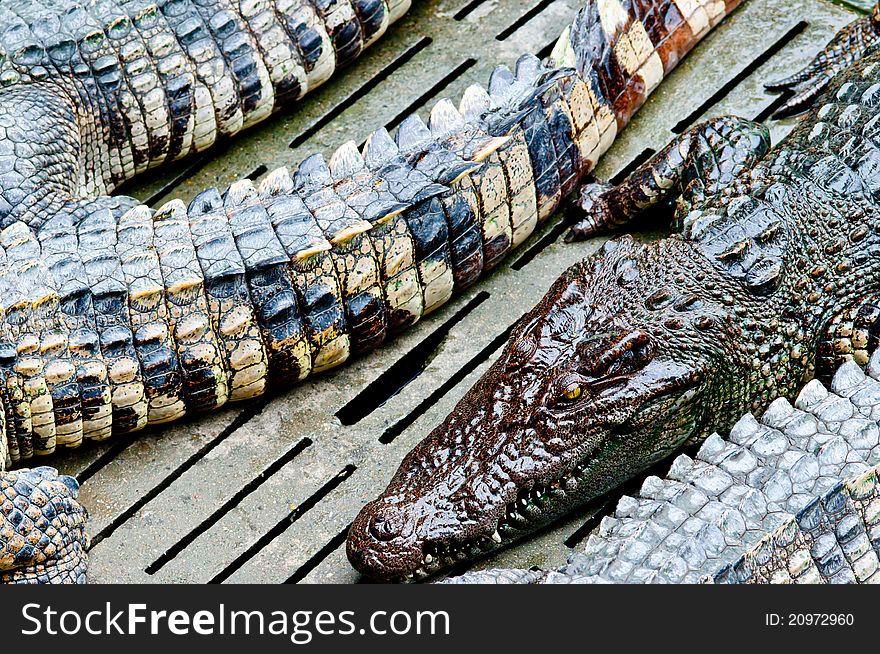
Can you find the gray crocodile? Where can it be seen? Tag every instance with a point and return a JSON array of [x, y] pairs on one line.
[[792, 498], [116, 316], [769, 279]]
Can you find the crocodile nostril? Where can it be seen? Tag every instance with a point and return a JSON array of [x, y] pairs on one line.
[[384, 527]]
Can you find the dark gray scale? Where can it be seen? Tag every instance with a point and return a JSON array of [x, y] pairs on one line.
[[314, 184], [459, 204], [391, 239], [542, 151], [61, 254], [312, 268], [557, 113], [241, 56], [354, 257], [817, 522], [142, 61], [229, 300], [53, 368], [140, 97], [98, 72], [308, 33], [271, 286], [24, 59], [149, 316], [176, 79], [343, 27], [110, 72], [202, 88], [205, 383], [277, 50], [29, 313], [97, 248], [18, 407], [373, 16], [489, 182], [362, 190], [434, 157], [428, 226]]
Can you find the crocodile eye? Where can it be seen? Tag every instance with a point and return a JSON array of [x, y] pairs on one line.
[[570, 388], [572, 392]]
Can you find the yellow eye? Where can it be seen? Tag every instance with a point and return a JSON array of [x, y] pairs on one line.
[[572, 392]]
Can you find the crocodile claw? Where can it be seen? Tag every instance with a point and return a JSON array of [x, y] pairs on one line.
[[591, 212], [849, 45]]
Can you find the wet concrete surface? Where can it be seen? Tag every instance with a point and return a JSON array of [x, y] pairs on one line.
[[264, 491]]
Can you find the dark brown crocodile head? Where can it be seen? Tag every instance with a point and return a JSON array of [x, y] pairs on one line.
[[613, 370]]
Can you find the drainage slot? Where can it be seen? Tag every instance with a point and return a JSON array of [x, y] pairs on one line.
[[400, 426], [522, 20], [256, 172], [284, 524], [318, 557], [234, 501], [362, 91], [467, 10], [246, 414], [404, 370], [722, 93]]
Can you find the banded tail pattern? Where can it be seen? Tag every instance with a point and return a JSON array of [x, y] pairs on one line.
[[93, 92], [116, 316]]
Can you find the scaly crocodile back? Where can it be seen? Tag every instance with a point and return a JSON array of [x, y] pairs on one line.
[[792, 498], [116, 316]]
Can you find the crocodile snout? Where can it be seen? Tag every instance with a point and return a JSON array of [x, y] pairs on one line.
[[381, 544]]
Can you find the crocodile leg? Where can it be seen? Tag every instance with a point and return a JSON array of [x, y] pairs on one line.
[[848, 46], [702, 162], [42, 528]]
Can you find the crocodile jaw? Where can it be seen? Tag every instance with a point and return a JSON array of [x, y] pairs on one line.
[[511, 458]]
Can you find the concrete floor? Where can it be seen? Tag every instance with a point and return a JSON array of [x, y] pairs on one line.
[[264, 492]]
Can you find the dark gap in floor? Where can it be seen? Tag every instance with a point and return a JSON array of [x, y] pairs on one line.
[[722, 92], [544, 52], [541, 244], [606, 504], [195, 164], [282, 525], [247, 413], [398, 427], [404, 370], [414, 106], [227, 506], [465, 11], [256, 172], [303, 571], [771, 108], [522, 20], [99, 463], [362, 91]]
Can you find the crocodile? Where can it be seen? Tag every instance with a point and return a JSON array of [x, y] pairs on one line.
[[767, 280], [116, 316], [791, 498]]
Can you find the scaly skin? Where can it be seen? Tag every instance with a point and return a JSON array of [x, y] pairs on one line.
[[791, 498], [116, 316], [641, 349]]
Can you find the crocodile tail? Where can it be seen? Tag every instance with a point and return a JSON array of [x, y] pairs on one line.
[[116, 316], [152, 82], [622, 50]]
